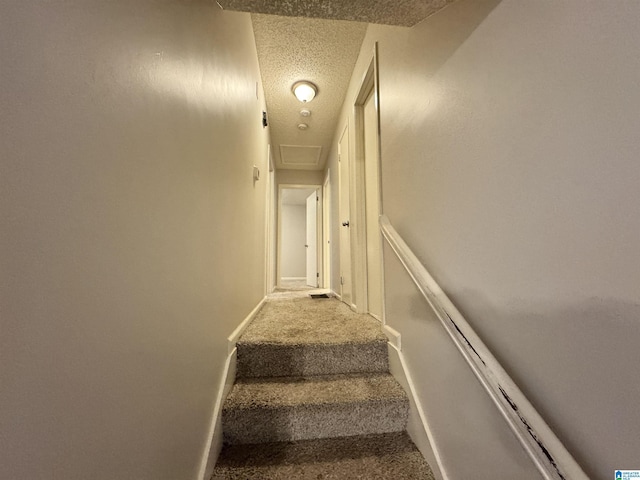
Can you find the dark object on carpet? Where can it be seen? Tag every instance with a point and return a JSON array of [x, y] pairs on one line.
[[319, 295], [385, 456]]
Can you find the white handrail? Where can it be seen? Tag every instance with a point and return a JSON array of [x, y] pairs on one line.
[[545, 449]]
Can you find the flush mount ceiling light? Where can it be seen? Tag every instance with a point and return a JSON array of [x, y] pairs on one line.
[[304, 91]]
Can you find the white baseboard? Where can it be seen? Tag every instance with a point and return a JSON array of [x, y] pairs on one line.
[[214, 444], [233, 338], [417, 425], [393, 335]]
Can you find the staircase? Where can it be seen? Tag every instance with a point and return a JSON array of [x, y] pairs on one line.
[[313, 398]]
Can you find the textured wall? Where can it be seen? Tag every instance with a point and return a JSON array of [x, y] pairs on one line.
[[132, 239], [509, 158]]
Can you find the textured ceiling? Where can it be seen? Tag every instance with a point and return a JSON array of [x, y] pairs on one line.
[[321, 51], [318, 41], [392, 12]]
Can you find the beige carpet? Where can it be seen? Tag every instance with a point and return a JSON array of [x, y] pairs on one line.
[[301, 336], [388, 456], [314, 399], [306, 321]]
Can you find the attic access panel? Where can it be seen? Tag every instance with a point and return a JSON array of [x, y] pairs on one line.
[[300, 155]]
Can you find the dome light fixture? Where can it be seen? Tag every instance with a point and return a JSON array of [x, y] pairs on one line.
[[304, 91]]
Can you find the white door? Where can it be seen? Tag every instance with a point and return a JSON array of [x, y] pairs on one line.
[[372, 206], [344, 211], [312, 240]]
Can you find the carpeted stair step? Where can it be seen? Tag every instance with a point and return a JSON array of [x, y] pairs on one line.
[[389, 455], [278, 360], [296, 408], [300, 337]]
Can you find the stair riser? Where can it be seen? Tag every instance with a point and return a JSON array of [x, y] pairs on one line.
[[261, 425], [282, 360]]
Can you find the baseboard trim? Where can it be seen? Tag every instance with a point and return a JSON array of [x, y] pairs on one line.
[[417, 425], [394, 336], [336, 295], [233, 338], [214, 439], [214, 445]]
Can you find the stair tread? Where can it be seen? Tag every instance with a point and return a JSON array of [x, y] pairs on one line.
[[282, 392], [389, 455], [303, 321]]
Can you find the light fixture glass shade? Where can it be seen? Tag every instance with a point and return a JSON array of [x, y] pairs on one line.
[[304, 91]]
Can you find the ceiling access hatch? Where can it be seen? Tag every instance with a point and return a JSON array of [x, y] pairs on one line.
[[300, 155]]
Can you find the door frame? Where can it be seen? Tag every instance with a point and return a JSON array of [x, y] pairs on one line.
[[326, 232], [320, 216], [345, 208], [369, 85], [270, 226]]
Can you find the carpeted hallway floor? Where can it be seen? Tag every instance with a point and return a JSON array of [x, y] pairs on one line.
[[313, 398]]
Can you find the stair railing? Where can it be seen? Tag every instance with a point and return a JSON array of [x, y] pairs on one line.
[[547, 452]]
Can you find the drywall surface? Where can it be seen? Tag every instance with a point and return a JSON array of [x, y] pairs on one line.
[[294, 236], [299, 177], [471, 437], [132, 239], [510, 166]]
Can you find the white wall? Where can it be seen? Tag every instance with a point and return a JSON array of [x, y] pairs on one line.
[[300, 177], [132, 239], [294, 237], [509, 163]]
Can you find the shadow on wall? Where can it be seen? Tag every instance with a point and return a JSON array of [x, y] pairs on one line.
[[577, 364]]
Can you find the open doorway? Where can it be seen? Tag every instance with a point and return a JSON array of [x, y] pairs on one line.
[[300, 236]]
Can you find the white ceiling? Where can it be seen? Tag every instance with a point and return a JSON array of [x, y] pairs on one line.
[[318, 41]]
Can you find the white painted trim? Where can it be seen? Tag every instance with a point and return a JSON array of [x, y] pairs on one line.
[[294, 278], [417, 426], [336, 294], [213, 446], [214, 439], [369, 85], [282, 186], [546, 451], [270, 226], [233, 338], [326, 230], [394, 336]]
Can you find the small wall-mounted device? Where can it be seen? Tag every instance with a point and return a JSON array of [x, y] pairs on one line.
[[264, 119], [256, 173]]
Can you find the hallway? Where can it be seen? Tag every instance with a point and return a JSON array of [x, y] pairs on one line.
[[142, 146]]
